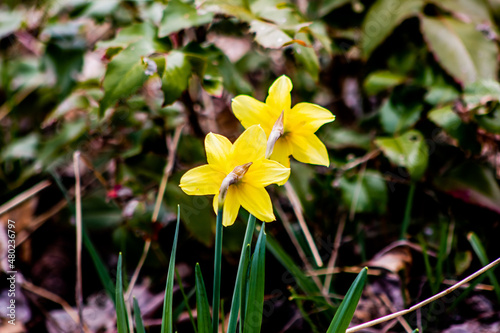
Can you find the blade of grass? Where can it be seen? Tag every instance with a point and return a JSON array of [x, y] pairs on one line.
[[235, 303], [483, 258], [139, 325], [344, 313], [407, 216], [121, 311], [217, 264], [300, 305], [186, 300], [202, 307], [255, 301], [166, 320], [101, 269], [244, 287]]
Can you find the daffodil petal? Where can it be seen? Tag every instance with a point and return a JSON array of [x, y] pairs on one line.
[[201, 180], [250, 111], [307, 117], [279, 98], [231, 207], [256, 201], [281, 152], [265, 173], [309, 149], [218, 148], [249, 147]]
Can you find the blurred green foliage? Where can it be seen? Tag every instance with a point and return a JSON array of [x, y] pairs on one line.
[[414, 86]]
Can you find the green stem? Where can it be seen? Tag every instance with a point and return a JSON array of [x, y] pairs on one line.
[[233, 316], [409, 204], [217, 260]]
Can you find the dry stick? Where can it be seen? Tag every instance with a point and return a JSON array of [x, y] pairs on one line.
[[335, 251], [78, 199], [295, 241], [24, 196], [297, 208], [361, 160], [387, 302], [425, 302], [53, 297], [97, 174], [172, 148]]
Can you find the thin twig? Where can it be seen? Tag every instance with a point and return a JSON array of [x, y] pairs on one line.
[[361, 160], [88, 163], [297, 208], [295, 241], [24, 196], [133, 280], [53, 297], [387, 302], [425, 302], [335, 251], [172, 148], [78, 199]]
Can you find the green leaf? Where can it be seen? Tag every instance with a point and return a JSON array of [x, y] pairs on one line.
[[167, 325], [268, 34], [481, 92], [145, 32], [10, 21], [341, 137], [345, 312], [467, 10], [175, 79], [308, 58], [321, 8], [461, 49], [22, 148], [490, 121], [366, 191], [139, 325], [243, 283], [483, 257], [179, 15], [382, 18], [447, 119], [399, 116], [126, 73], [202, 308], [237, 8], [256, 281], [101, 269], [472, 183], [408, 150], [380, 81], [121, 310]]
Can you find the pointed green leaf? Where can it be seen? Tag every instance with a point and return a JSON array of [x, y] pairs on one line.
[[344, 313], [121, 310], [268, 34], [167, 325], [483, 258], [180, 15], [244, 286], [382, 18], [139, 325], [461, 49], [202, 307], [255, 300], [381, 81], [101, 269], [126, 73], [408, 150], [176, 76]]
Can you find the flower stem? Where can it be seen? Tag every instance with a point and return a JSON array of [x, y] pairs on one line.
[[217, 260], [233, 316]]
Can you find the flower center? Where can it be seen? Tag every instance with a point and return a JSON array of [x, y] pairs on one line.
[[232, 178], [277, 131]]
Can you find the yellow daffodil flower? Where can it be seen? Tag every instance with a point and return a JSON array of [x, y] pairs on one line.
[[240, 171], [296, 132]]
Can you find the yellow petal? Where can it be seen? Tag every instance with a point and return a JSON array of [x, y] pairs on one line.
[[218, 148], [265, 173], [307, 117], [309, 149], [250, 111], [279, 98], [249, 147], [201, 180], [256, 201], [281, 152], [231, 206]]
